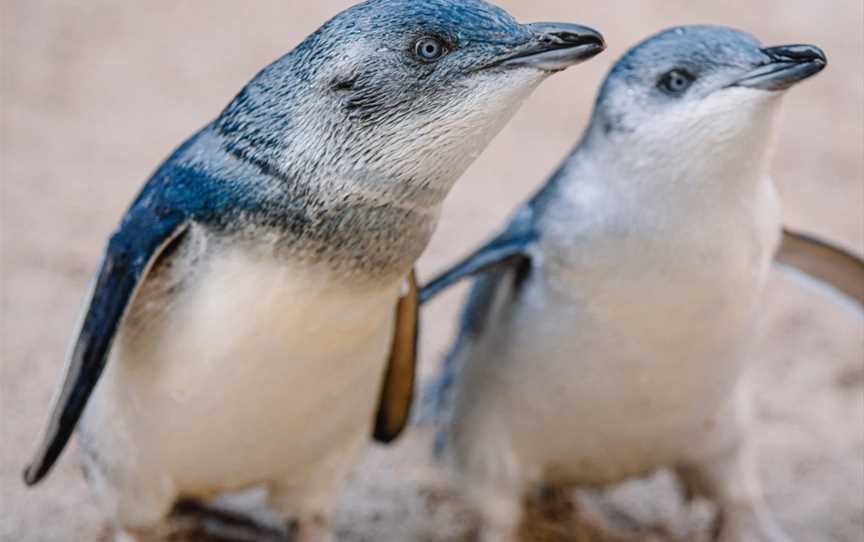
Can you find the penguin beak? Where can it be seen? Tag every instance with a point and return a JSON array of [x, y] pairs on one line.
[[786, 66], [555, 47]]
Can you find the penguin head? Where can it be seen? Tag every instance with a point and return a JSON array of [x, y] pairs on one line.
[[699, 91], [402, 88]]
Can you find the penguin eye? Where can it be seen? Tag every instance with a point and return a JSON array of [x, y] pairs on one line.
[[430, 49], [676, 82]]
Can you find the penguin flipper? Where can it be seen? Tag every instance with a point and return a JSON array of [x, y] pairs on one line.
[[147, 229], [509, 249], [397, 393], [824, 262]]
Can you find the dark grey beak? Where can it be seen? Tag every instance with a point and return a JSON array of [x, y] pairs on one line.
[[785, 66], [556, 46]]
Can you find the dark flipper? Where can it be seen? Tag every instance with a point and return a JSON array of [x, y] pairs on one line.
[[397, 393], [834, 266], [146, 230], [498, 268], [509, 249], [436, 401]]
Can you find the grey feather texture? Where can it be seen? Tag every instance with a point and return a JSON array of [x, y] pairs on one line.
[[616, 344], [247, 301]]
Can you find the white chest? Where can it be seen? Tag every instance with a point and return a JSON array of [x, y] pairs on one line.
[[270, 364], [628, 340]]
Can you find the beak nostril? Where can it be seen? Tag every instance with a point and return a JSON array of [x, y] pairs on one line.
[[567, 35], [580, 39], [786, 66], [554, 47], [796, 53]]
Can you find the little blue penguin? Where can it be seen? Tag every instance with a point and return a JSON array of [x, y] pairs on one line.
[[606, 332], [250, 324]]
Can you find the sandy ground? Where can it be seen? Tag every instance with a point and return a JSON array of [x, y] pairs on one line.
[[96, 93]]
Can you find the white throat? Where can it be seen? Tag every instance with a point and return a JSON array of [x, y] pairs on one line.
[[686, 201], [719, 147]]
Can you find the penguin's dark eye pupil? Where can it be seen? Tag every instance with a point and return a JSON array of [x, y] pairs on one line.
[[429, 49], [676, 82]]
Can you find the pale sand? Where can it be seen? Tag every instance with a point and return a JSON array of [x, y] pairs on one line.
[[96, 93]]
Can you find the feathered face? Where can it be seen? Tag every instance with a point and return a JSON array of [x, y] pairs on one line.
[[408, 89], [699, 91]]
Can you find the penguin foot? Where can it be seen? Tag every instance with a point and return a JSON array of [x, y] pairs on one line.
[[209, 523], [313, 529]]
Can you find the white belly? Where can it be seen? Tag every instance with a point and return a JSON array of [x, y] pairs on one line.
[[257, 372], [590, 379], [635, 391]]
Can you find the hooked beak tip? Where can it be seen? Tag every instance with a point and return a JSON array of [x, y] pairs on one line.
[[796, 54], [786, 66], [566, 34], [557, 46]]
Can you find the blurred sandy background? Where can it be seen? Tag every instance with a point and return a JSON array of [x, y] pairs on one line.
[[96, 93]]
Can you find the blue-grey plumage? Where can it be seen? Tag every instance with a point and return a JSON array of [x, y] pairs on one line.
[[605, 334], [253, 282]]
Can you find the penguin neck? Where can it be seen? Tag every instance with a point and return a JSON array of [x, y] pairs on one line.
[[294, 139], [680, 169], [361, 224]]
